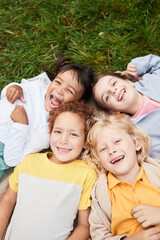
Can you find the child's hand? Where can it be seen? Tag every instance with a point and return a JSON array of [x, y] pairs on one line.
[[132, 70], [149, 234], [19, 115], [13, 93], [146, 215]]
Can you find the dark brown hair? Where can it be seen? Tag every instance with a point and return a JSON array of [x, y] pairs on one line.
[[122, 75]]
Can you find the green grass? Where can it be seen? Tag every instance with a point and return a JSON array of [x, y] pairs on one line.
[[104, 34]]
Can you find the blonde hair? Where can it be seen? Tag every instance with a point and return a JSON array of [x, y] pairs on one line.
[[101, 119]]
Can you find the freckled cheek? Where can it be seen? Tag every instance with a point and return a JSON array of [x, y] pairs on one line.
[[78, 144], [53, 140], [68, 98]]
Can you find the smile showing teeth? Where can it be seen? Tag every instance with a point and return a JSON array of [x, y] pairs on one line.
[[63, 150], [117, 160], [121, 95]]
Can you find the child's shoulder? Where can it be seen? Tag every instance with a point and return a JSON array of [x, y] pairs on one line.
[[36, 154], [102, 180], [34, 157], [83, 165], [42, 77]]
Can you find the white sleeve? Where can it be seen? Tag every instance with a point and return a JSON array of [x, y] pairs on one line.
[[3, 92], [14, 146], [26, 83]]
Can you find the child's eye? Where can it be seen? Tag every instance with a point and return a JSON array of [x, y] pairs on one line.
[[74, 134], [114, 83], [107, 98], [103, 149], [117, 141], [57, 131], [58, 82], [70, 91]]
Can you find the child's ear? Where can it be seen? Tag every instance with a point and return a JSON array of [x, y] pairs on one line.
[[137, 143]]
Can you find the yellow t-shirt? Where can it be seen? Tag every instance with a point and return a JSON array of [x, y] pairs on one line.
[[49, 196], [125, 196]]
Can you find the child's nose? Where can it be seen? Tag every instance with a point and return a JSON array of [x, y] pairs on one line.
[[112, 150], [114, 91], [60, 90], [64, 138]]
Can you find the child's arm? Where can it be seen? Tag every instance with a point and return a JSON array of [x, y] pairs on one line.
[[13, 93], [131, 70], [146, 215], [149, 234], [146, 64], [19, 115], [15, 90], [81, 232], [100, 224], [16, 138], [7, 204]]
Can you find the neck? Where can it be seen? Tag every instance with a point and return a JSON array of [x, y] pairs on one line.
[[137, 105], [130, 176]]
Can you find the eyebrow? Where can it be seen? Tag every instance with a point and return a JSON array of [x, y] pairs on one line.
[[111, 79]]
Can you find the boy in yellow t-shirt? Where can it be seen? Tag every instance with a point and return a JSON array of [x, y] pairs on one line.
[[47, 189]]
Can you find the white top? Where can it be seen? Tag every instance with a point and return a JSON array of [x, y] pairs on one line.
[[20, 139]]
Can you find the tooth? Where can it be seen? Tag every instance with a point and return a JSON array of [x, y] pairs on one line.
[[121, 94], [63, 150]]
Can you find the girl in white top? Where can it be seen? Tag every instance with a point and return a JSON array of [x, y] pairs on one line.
[[24, 128]]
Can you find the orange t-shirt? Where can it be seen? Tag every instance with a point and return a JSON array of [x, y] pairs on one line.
[[125, 196]]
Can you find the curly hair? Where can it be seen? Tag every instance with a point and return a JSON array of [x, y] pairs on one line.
[[83, 110], [122, 121]]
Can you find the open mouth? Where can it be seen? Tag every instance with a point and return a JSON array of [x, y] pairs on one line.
[[54, 100], [116, 160], [121, 94], [63, 150]]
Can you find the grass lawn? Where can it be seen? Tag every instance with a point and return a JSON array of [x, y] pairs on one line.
[[104, 34]]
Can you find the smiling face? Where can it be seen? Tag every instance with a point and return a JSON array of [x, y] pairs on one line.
[[67, 138], [116, 94], [64, 88], [116, 150]]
